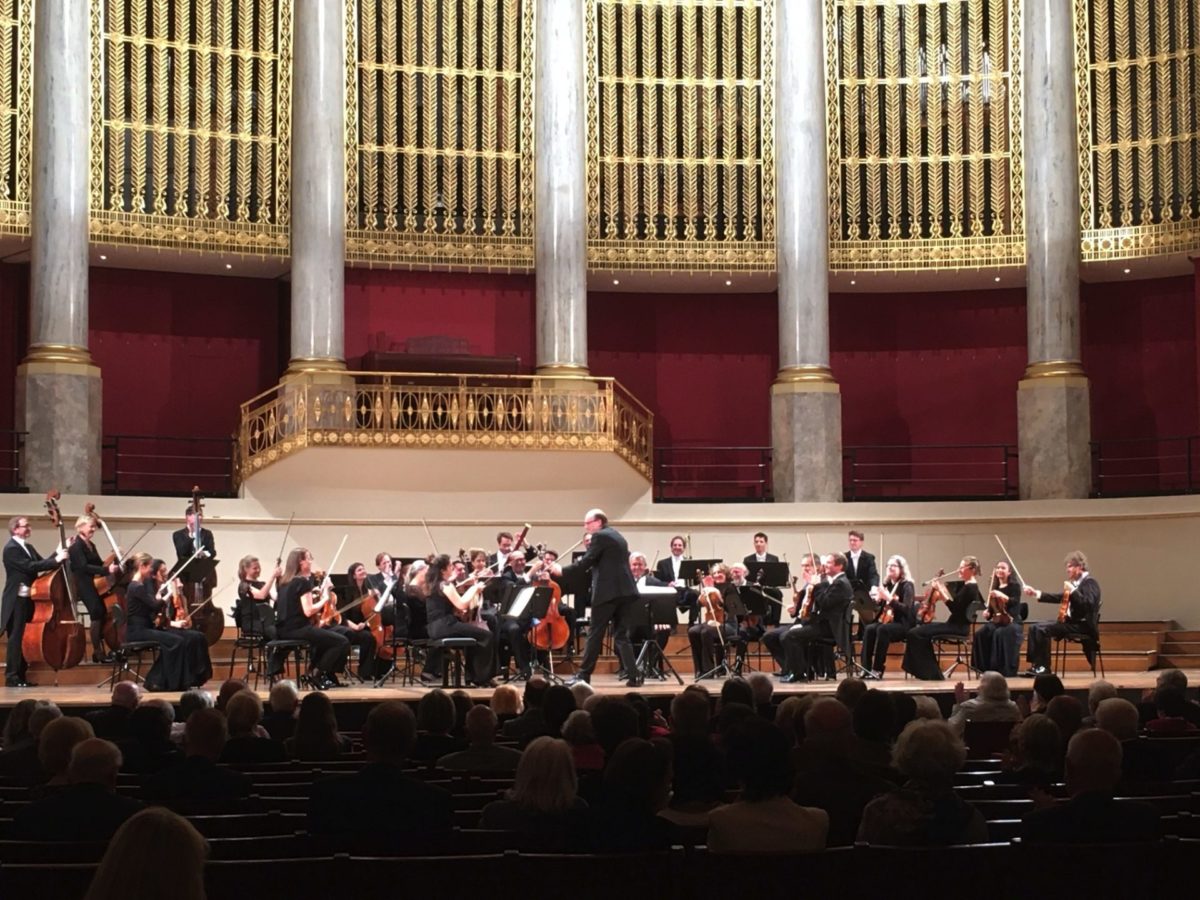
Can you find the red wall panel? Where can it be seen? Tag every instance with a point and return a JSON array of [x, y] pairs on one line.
[[14, 335], [180, 352]]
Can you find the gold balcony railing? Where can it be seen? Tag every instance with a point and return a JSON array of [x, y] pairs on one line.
[[421, 411]]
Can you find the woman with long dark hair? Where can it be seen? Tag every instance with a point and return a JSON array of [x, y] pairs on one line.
[[997, 643], [445, 608], [183, 660], [295, 610]]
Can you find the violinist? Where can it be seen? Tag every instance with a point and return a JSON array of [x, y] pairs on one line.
[[1079, 613], [444, 606], [639, 634], [920, 660], [752, 628], [717, 625], [299, 601], [807, 582], [831, 606], [997, 643], [385, 577], [183, 660], [86, 564], [351, 625], [253, 607], [22, 565], [897, 614], [673, 571]]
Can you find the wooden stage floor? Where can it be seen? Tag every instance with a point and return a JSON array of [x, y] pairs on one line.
[[83, 695]]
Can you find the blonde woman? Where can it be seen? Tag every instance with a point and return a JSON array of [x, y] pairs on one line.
[[543, 798]]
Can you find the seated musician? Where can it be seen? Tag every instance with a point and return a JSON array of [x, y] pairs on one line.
[[920, 659], [897, 614], [831, 603], [346, 618], [717, 624], [549, 558], [389, 575], [183, 660], [803, 587], [1082, 618], [86, 564], [753, 627], [504, 546], [512, 631], [639, 634], [673, 571], [299, 605], [997, 643], [253, 610], [445, 611]]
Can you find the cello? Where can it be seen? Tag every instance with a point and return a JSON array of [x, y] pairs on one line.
[[552, 632], [53, 634]]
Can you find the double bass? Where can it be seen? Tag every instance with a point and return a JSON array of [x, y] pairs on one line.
[[202, 614], [53, 634], [111, 588]]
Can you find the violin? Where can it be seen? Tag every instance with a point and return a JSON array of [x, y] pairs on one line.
[[712, 606], [887, 613], [1064, 608], [997, 607], [928, 605]]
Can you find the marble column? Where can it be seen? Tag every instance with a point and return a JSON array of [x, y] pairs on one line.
[[560, 203], [318, 189], [806, 405], [58, 396], [1053, 414]]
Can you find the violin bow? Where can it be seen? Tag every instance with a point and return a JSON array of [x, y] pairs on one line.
[[283, 546]]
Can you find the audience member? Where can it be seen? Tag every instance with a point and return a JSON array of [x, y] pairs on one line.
[[764, 819], [927, 708], [736, 690], [557, 705], [991, 704], [21, 762], [316, 737], [1092, 815], [16, 726], [462, 706], [874, 719], [850, 691], [435, 721], [637, 784], [379, 801], [243, 713], [1098, 691], [284, 700], [59, 739], [148, 748], [1067, 713], [1169, 678], [789, 717], [543, 802], [506, 703], [88, 808], [197, 782], [155, 855], [580, 736], [905, 708], [925, 811], [189, 702], [614, 720], [532, 722], [700, 774], [582, 691], [1170, 706], [112, 722], [1140, 760], [482, 754], [1037, 754], [229, 687], [1046, 687], [763, 689]]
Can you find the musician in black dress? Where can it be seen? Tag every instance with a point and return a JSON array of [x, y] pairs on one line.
[[355, 629], [295, 611], [718, 622], [896, 599], [86, 564], [183, 660], [253, 611], [1083, 615], [444, 607], [997, 644], [920, 660]]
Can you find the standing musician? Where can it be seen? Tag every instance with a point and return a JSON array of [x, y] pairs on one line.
[[253, 611], [673, 571], [997, 643], [896, 602], [860, 565], [298, 603], [183, 660], [717, 624], [86, 564], [807, 582], [444, 608], [504, 546], [613, 592], [920, 660], [22, 565], [760, 555], [187, 542], [831, 602], [1079, 613]]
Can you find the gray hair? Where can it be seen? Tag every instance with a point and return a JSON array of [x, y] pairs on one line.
[[1118, 717], [929, 751], [284, 697], [993, 686]]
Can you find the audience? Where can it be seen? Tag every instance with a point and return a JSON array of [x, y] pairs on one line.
[[462, 705], [506, 703], [991, 704], [637, 784], [316, 736], [927, 707], [16, 726], [88, 808], [532, 722], [1171, 707], [614, 720], [580, 736], [764, 819], [284, 701], [59, 739], [1169, 678], [21, 762], [435, 721], [1037, 754], [197, 782], [379, 801], [925, 811], [763, 690], [1092, 815], [482, 755], [112, 722], [1067, 713], [189, 702], [243, 714], [1098, 691], [736, 690], [582, 691], [700, 774], [543, 802], [148, 748], [229, 687], [1046, 687], [874, 719], [154, 855], [850, 691], [558, 703], [789, 717]]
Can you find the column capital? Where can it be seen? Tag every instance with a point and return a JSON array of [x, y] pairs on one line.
[[1054, 368], [806, 377]]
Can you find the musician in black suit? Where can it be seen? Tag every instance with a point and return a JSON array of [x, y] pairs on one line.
[[86, 564], [505, 544], [643, 579], [613, 590], [22, 565], [185, 539], [1083, 615], [674, 570], [832, 602], [860, 565], [760, 555], [806, 583]]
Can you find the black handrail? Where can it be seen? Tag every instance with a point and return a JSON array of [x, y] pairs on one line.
[[1150, 466], [12, 449], [167, 466], [712, 474], [902, 472]]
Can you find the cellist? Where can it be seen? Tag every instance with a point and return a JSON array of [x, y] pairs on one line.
[[86, 565], [22, 565]]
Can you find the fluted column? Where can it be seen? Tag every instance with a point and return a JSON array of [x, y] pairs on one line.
[[58, 395], [318, 188], [560, 241], [1053, 415], [806, 405]]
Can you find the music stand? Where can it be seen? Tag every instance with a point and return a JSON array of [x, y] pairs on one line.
[[198, 571], [774, 574], [687, 568], [530, 603], [654, 606]]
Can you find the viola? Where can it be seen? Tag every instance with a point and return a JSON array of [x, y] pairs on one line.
[[53, 634]]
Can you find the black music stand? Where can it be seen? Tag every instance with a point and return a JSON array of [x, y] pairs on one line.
[[198, 571], [529, 603], [653, 606], [687, 569], [774, 574]]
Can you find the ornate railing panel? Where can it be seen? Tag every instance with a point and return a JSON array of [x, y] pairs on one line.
[[191, 123], [680, 142], [446, 412], [1138, 63], [16, 114], [924, 130], [440, 133]]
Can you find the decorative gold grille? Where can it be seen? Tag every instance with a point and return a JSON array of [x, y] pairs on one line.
[[191, 122], [16, 114], [924, 134], [1141, 61], [445, 412], [442, 149], [680, 134]]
